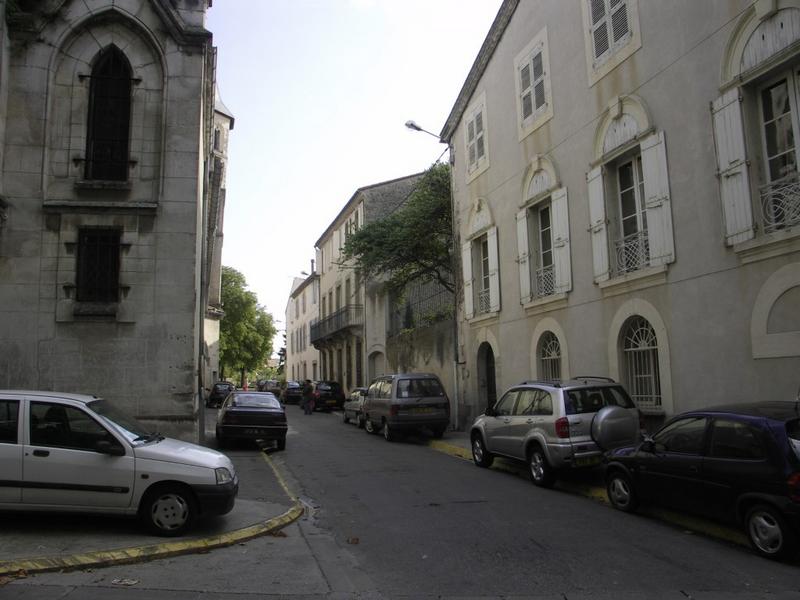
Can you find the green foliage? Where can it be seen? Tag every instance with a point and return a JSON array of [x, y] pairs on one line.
[[413, 244], [246, 330]]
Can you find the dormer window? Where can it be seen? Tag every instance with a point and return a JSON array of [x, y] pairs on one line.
[[107, 139]]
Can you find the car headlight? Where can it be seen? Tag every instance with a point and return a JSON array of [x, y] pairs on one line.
[[223, 475]]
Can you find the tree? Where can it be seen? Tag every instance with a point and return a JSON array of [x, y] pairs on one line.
[[413, 244], [246, 330]]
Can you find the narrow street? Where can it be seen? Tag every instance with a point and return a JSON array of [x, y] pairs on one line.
[[401, 520]]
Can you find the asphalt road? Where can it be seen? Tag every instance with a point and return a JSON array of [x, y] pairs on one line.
[[400, 520]]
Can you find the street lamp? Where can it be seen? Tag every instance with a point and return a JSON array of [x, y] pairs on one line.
[[415, 127]]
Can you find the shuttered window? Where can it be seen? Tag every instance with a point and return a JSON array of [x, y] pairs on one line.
[[610, 27], [476, 145], [532, 85]]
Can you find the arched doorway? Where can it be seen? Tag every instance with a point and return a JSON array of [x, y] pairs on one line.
[[487, 385], [376, 365]]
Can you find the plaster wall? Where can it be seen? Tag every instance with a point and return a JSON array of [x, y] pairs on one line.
[[707, 295]]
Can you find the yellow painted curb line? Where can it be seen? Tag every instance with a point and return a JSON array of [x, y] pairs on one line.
[[105, 558], [688, 522]]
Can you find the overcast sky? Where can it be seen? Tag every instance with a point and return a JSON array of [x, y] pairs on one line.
[[321, 90]]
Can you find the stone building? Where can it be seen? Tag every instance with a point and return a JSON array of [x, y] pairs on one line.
[[223, 125], [350, 332], [627, 200], [302, 358], [106, 122]]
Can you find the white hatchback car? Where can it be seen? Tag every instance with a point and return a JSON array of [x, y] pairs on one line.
[[78, 453]]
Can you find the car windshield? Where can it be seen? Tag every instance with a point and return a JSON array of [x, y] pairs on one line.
[[262, 400], [419, 388], [128, 426], [220, 387], [325, 386], [592, 399], [292, 384]]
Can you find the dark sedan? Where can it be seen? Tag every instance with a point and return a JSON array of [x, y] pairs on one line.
[[328, 395], [292, 393], [738, 463], [249, 415], [218, 393]]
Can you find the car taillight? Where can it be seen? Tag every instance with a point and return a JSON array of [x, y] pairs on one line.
[[562, 427], [794, 487], [393, 410]]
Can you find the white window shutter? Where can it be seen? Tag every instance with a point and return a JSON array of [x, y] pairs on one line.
[[523, 256], [562, 264], [656, 198], [466, 269], [732, 168], [597, 223], [494, 271]]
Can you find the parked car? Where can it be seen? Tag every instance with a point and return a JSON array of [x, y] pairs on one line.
[[554, 426], [352, 408], [739, 463], [404, 402], [328, 395], [292, 393], [247, 415], [83, 454], [219, 391]]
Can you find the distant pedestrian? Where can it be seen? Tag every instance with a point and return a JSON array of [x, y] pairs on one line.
[[308, 398]]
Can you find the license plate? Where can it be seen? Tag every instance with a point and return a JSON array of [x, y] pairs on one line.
[[587, 461], [420, 410], [254, 431]]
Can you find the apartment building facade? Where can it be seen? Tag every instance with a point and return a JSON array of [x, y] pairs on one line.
[[627, 200], [302, 358]]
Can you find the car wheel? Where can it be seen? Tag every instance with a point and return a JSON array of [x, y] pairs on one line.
[[361, 422], [389, 434], [541, 472], [345, 418], [281, 444], [480, 455], [368, 426], [621, 492], [168, 510], [768, 532]]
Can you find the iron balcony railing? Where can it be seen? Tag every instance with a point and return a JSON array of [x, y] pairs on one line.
[[780, 203], [545, 281], [633, 252], [351, 315], [484, 301]]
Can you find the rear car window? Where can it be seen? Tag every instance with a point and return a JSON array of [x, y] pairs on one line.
[[221, 387], [9, 411], [732, 439], [419, 388], [262, 400], [592, 399]]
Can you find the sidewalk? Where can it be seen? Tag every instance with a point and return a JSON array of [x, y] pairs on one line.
[[39, 542]]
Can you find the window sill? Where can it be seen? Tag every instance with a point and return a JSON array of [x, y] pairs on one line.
[[637, 280], [100, 184], [484, 318], [769, 245], [482, 167], [530, 125], [94, 309], [58, 204], [545, 304]]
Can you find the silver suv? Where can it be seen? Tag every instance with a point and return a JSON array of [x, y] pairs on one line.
[[553, 425]]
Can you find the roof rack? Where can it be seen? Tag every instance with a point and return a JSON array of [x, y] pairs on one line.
[[553, 382], [600, 377]]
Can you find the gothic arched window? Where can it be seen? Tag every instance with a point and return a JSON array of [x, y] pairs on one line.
[[109, 117]]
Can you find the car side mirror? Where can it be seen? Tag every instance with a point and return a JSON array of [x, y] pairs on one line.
[[648, 445], [106, 447], [489, 412]]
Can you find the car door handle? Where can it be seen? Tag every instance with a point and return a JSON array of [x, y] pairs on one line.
[[506, 420], [41, 453], [529, 421]]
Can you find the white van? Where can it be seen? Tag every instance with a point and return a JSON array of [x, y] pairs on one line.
[[78, 453]]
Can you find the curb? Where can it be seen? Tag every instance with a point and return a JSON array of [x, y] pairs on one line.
[[688, 523], [107, 558]]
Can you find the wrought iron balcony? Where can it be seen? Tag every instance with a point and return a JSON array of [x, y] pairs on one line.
[[780, 203], [545, 281], [351, 315], [633, 252], [484, 301]]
